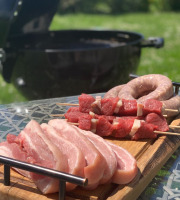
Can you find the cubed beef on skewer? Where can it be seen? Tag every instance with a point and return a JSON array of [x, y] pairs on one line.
[[122, 127], [152, 106], [109, 105], [74, 116], [157, 120], [119, 107], [85, 102], [145, 131]]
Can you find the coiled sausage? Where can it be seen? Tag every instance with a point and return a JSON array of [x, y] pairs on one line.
[[152, 86], [172, 103]]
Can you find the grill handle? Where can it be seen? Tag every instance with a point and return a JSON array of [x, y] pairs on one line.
[[156, 42]]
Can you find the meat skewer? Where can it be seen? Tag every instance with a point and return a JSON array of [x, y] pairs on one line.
[[116, 106], [75, 116], [123, 127], [62, 115], [71, 104], [158, 132]]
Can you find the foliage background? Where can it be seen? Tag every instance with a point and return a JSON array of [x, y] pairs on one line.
[[117, 6]]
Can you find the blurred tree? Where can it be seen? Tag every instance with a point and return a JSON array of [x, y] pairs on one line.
[[175, 5], [117, 6], [122, 6]]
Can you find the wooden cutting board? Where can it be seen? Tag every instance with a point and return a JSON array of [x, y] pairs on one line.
[[151, 155]]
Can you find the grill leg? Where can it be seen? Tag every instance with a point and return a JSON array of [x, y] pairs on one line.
[[6, 175], [62, 190]]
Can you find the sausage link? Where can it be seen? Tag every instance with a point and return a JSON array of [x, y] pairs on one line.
[[172, 103], [152, 86]]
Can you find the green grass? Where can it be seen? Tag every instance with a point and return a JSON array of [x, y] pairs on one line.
[[165, 60]]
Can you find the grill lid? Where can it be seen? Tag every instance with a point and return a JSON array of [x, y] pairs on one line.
[[24, 16]]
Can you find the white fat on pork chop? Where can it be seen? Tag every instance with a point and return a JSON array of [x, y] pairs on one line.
[[74, 156], [104, 148], [94, 159]]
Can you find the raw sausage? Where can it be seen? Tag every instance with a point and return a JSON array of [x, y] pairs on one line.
[[172, 103], [152, 86]]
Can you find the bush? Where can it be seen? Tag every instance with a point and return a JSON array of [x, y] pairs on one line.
[[124, 6], [106, 6], [117, 6], [175, 5]]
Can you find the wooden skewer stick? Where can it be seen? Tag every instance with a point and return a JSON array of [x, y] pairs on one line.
[[67, 104], [166, 133], [172, 110], [57, 115], [73, 123], [171, 126]]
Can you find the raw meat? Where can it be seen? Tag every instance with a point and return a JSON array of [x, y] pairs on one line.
[[85, 102], [152, 106], [108, 105], [157, 120], [103, 127], [75, 158], [41, 151], [145, 131], [129, 108], [95, 161], [126, 165], [107, 152]]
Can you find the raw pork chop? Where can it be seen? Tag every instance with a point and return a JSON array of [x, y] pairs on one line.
[[106, 151], [40, 151], [13, 150], [95, 161], [126, 165], [75, 158]]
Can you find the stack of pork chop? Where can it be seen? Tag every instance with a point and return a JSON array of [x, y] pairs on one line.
[[64, 147]]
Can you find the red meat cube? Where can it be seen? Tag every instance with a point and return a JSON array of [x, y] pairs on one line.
[[108, 105], [122, 127], [129, 107], [85, 102], [145, 131], [157, 120], [103, 127], [74, 116], [85, 122], [152, 106]]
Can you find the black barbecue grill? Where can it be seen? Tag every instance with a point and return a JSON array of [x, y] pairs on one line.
[[46, 64]]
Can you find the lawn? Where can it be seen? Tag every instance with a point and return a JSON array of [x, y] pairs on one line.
[[165, 60]]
